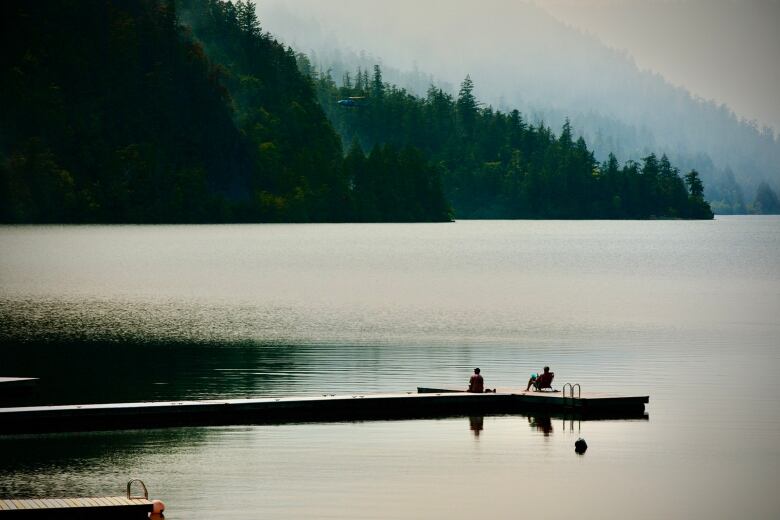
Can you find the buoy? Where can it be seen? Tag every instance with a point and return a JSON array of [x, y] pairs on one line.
[[580, 446], [158, 506]]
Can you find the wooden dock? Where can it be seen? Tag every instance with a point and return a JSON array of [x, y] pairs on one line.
[[128, 507], [7, 383], [582, 402], [14, 388], [424, 403], [98, 507]]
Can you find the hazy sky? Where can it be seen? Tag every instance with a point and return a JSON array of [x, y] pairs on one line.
[[725, 50]]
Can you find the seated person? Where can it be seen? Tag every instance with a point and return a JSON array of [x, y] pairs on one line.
[[476, 383], [541, 381]]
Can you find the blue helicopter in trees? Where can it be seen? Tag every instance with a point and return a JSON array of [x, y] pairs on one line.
[[351, 102]]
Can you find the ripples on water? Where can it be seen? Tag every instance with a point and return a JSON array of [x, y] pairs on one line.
[[683, 311]]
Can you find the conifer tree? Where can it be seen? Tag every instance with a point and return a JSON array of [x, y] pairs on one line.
[[467, 105], [695, 186]]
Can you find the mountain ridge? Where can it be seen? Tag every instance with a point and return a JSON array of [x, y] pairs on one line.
[[733, 155]]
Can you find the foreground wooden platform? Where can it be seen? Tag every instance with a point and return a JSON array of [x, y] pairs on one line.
[[426, 402], [98, 507]]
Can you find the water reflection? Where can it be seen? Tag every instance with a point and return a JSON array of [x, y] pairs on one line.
[[43, 465], [572, 419], [149, 371], [542, 423], [476, 425], [213, 471]]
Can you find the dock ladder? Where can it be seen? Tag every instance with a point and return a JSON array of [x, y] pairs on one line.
[[130, 496], [572, 403]]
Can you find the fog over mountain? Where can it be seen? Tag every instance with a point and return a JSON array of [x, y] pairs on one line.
[[521, 56], [724, 50]]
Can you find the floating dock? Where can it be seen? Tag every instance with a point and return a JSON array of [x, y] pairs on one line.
[[7, 383], [99, 507], [14, 388], [427, 402], [585, 403]]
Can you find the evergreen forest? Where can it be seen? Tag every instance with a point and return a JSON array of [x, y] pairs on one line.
[[496, 165], [160, 111]]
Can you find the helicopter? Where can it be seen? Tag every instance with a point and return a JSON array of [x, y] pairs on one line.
[[351, 102]]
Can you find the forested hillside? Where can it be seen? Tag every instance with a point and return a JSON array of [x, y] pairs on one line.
[[97, 118], [117, 111], [548, 70], [497, 165], [164, 111]]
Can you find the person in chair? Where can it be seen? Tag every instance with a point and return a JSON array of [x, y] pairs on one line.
[[542, 381]]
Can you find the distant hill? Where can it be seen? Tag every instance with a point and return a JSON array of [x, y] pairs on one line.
[[550, 72]]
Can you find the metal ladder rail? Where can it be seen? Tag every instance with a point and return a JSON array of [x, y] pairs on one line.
[[571, 393], [145, 496]]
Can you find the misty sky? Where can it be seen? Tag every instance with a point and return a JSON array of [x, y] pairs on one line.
[[725, 50]]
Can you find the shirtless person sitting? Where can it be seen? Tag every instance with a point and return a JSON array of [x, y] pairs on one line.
[[541, 381], [476, 383]]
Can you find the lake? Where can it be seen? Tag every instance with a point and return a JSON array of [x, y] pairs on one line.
[[685, 311]]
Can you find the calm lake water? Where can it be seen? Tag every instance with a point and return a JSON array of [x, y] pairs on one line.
[[687, 312]]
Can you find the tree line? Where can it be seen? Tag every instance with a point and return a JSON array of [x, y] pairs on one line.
[[187, 111], [163, 111], [498, 165]]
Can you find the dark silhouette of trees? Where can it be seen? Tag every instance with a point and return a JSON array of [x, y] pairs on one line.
[[497, 165], [163, 111], [697, 206], [467, 106], [109, 114], [695, 186]]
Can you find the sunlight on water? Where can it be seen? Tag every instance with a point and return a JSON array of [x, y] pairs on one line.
[[686, 312]]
